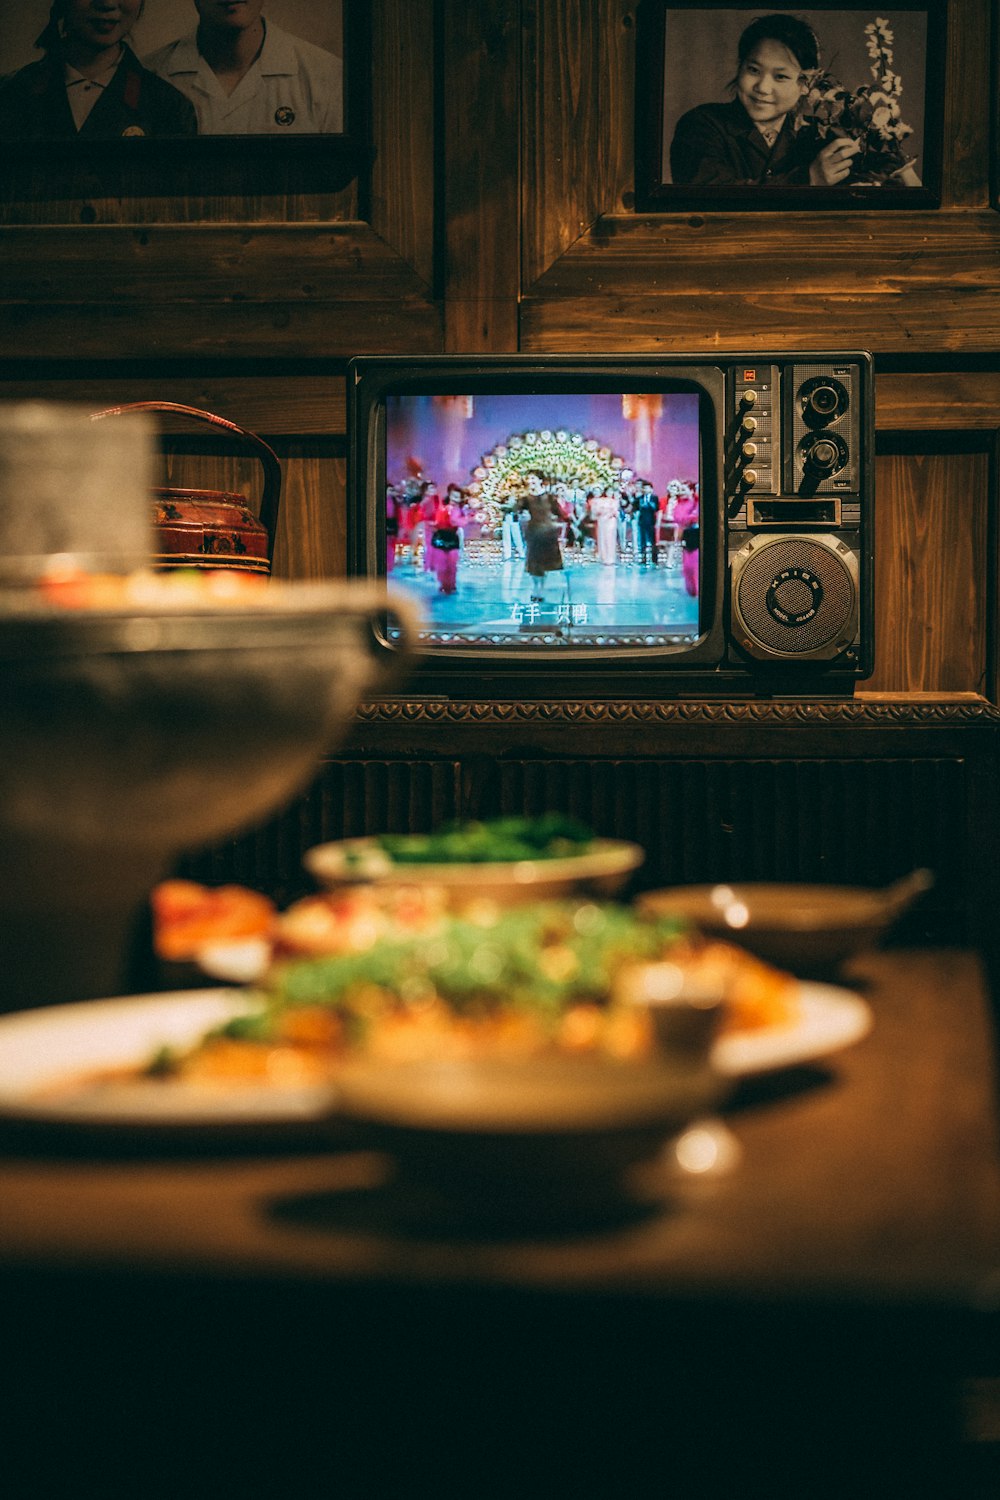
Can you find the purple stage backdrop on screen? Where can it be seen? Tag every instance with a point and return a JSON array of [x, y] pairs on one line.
[[447, 439]]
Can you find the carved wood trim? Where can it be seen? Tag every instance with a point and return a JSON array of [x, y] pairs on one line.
[[574, 713]]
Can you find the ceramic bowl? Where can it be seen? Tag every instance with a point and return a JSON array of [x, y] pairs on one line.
[[531, 1143], [808, 929], [602, 870]]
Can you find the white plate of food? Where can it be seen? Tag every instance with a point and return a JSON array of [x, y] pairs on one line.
[[87, 1063], [828, 1019]]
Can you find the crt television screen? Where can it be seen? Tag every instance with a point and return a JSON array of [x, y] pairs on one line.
[[544, 519]]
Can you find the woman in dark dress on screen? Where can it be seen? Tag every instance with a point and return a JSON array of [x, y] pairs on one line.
[[541, 535], [752, 139], [90, 85]]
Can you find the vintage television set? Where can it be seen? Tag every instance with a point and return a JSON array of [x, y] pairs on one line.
[[762, 466]]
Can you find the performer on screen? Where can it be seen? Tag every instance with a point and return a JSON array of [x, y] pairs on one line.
[[647, 510], [686, 519], [604, 508], [511, 533], [394, 510], [446, 540], [541, 535]]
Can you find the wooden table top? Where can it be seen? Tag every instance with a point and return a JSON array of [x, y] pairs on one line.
[[874, 1175]]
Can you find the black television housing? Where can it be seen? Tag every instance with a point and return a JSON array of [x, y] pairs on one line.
[[777, 448]]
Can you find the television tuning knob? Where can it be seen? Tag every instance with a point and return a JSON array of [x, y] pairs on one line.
[[749, 477], [748, 397], [749, 450], [749, 424]]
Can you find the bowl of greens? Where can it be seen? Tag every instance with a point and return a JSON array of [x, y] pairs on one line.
[[507, 859]]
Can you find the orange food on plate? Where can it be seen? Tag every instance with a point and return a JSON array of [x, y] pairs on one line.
[[187, 917], [394, 974]]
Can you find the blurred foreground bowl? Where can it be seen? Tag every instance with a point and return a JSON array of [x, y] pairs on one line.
[[534, 1143], [130, 736], [809, 929]]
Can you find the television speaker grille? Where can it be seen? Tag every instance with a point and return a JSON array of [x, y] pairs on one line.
[[795, 597]]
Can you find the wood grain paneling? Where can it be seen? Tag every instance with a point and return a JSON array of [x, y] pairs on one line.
[[969, 102], [932, 565], [578, 67], [289, 289], [312, 533], [481, 174], [895, 282], [291, 263], [403, 87], [60, 192], [734, 255], [276, 403], [210, 331], [967, 400]]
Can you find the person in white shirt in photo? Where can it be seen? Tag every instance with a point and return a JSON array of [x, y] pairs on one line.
[[245, 76]]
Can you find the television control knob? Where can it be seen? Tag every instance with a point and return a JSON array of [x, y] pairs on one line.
[[749, 450], [749, 424], [748, 398], [824, 455], [749, 477], [824, 400]]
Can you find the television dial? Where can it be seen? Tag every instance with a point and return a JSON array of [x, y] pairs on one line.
[[748, 397], [749, 450], [749, 424], [824, 455], [749, 477], [823, 399]]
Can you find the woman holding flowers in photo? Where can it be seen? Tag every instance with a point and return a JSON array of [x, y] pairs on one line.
[[789, 124], [870, 115]]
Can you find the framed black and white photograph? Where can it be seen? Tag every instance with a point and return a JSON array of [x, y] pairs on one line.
[[832, 106], [179, 79]]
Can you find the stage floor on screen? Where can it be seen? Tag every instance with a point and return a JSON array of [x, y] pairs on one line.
[[494, 597]]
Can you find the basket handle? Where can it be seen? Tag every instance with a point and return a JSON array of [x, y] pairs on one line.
[[270, 499]]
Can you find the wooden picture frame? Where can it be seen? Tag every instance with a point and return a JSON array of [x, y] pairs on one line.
[[880, 84], [995, 106], [282, 155]]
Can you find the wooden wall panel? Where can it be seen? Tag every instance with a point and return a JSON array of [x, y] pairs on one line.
[[348, 799], [969, 102], [481, 174], [61, 193], [313, 404], [290, 290], [403, 122], [965, 400], [578, 135], [895, 282], [932, 566], [312, 532]]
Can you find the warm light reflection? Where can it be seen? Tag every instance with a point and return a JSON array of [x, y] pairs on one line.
[[707, 1148], [735, 913]]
